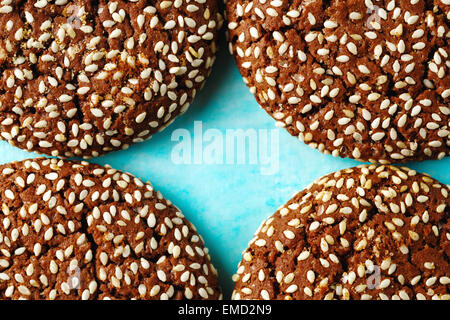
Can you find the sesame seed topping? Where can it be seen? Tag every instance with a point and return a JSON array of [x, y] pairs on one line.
[[63, 61], [101, 240], [373, 218], [368, 63]]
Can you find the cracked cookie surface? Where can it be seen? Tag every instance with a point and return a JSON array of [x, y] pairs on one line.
[[73, 230], [361, 79], [83, 78], [362, 233]]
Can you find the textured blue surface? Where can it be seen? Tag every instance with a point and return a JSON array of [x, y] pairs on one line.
[[227, 202]]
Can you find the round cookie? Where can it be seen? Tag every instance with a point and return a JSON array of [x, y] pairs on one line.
[[362, 233], [360, 79], [83, 78], [81, 231]]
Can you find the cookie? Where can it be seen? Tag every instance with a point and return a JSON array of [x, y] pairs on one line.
[[362, 233], [367, 80], [73, 230], [83, 78]]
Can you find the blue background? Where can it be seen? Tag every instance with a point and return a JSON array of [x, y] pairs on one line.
[[227, 202]]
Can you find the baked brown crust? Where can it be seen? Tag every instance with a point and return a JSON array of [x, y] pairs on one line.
[[362, 79], [82, 78], [75, 230], [362, 233]]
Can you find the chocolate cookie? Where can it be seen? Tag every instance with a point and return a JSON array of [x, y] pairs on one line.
[[363, 233], [82, 78], [81, 231], [360, 79]]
